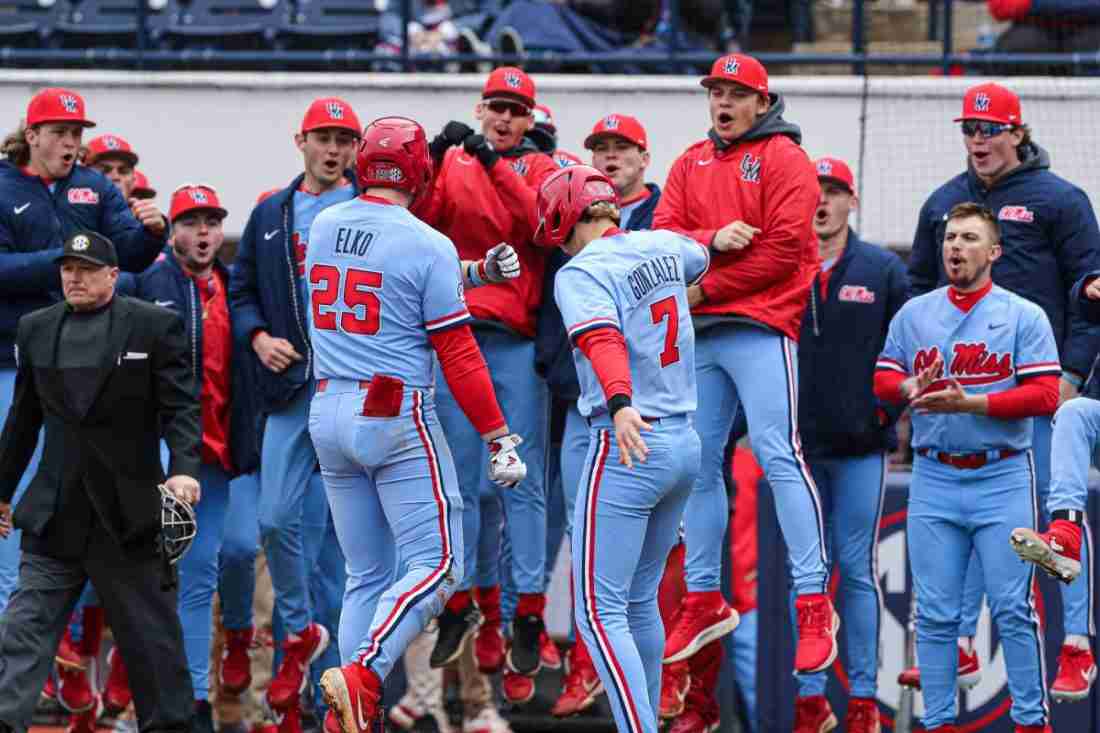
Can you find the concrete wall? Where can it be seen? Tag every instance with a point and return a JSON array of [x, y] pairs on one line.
[[234, 130]]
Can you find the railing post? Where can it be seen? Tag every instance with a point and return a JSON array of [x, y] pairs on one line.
[[674, 30], [858, 68], [142, 31], [948, 35], [406, 16]]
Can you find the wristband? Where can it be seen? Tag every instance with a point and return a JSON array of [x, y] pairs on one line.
[[616, 403], [474, 274], [1073, 379], [1070, 515]]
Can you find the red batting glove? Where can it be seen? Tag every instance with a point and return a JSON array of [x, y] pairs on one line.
[[1009, 9]]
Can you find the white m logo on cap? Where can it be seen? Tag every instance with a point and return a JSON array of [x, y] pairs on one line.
[[198, 196], [981, 102], [732, 66], [824, 168], [69, 102], [335, 110], [512, 80], [611, 123], [111, 143]]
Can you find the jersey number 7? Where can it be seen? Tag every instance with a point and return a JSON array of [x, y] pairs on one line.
[[354, 297], [662, 309]]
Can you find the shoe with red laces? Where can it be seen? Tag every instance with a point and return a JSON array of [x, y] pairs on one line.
[[675, 683], [701, 618], [117, 695], [49, 690], [331, 725], [813, 715], [74, 688], [579, 690], [353, 692], [862, 716], [693, 722], [517, 688], [818, 623], [1076, 673], [970, 672], [68, 653], [548, 652], [1057, 551], [489, 647], [236, 672], [84, 721], [298, 655], [288, 720]]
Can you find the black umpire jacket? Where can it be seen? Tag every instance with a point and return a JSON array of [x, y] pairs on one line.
[[144, 390]]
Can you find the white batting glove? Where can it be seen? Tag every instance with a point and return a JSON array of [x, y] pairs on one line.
[[501, 263], [506, 468]]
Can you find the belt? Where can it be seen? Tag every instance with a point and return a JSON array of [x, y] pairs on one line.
[[604, 418], [322, 384], [967, 460]]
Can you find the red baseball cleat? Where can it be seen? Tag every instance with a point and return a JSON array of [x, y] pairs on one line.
[[701, 618], [331, 725], [1057, 551], [862, 716], [288, 720], [1076, 673], [290, 681], [489, 647], [517, 688], [970, 672], [548, 652], [818, 623], [694, 722], [117, 695], [813, 715], [236, 672], [353, 692], [579, 690], [84, 721], [68, 655], [49, 690], [675, 683], [74, 689]]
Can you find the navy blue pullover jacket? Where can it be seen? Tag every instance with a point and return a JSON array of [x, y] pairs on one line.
[[842, 336], [34, 224], [263, 290], [1050, 240], [553, 352]]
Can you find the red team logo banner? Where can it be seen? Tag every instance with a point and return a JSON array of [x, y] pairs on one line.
[[971, 364]]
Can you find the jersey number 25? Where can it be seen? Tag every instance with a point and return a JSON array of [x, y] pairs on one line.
[[354, 297]]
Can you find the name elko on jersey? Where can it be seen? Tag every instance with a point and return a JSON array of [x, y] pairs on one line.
[[651, 273], [352, 241], [971, 363]]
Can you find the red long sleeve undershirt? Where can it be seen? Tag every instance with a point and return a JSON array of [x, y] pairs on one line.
[[1031, 397], [606, 350], [468, 377]]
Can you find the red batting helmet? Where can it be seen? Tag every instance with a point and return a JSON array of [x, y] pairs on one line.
[[394, 154], [564, 196]]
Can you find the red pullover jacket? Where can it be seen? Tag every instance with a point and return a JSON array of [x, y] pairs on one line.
[[479, 209], [767, 181]]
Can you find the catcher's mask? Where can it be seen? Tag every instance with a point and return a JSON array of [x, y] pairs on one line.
[[177, 526]]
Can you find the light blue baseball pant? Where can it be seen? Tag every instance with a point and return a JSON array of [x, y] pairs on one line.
[[625, 524], [852, 491], [237, 571], [953, 511], [741, 366], [327, 579], [741, 648], [391, 483], [523, 398], [1077, 610], [288, 461], [9, 548]]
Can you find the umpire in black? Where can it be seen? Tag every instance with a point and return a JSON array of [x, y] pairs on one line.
[[107, 377]]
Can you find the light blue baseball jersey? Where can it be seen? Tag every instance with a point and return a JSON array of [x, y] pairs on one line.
[[1002, 339], [306, 208], [635, 282], [380, 282]]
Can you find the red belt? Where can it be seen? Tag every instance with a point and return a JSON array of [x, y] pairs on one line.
[[322, 384], [967, 460]]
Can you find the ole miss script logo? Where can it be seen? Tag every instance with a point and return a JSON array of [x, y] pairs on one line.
[[83, 196], [971, 364]]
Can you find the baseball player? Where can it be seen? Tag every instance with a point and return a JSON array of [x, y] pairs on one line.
[[142, 188], [1073, 445], [386, 290], [620, 150], [623, 299], [847, 433], [113, 157], [483, 194], [1051, 240], [544, 134], [749, 193], [975, 363]]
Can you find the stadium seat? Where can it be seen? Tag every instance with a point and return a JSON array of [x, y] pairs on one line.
[[327, 24], [108, 23], [27, 23], [224, 24]]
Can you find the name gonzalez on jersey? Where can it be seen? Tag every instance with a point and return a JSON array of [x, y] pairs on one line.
[[651, 273]]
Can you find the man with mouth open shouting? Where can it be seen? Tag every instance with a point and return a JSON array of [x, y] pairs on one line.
[[1050, 241], [749, 192]]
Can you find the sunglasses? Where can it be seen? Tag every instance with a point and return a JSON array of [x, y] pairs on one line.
[[499, 106], [970, 128]]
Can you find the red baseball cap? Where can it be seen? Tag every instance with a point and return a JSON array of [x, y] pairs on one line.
[[109, 146], [624, 126], [194, 197], [510, 82], [740, 69], [54, 104], [330, 112], [993, 103], [142, 189], [837, 170], [543, 116]]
